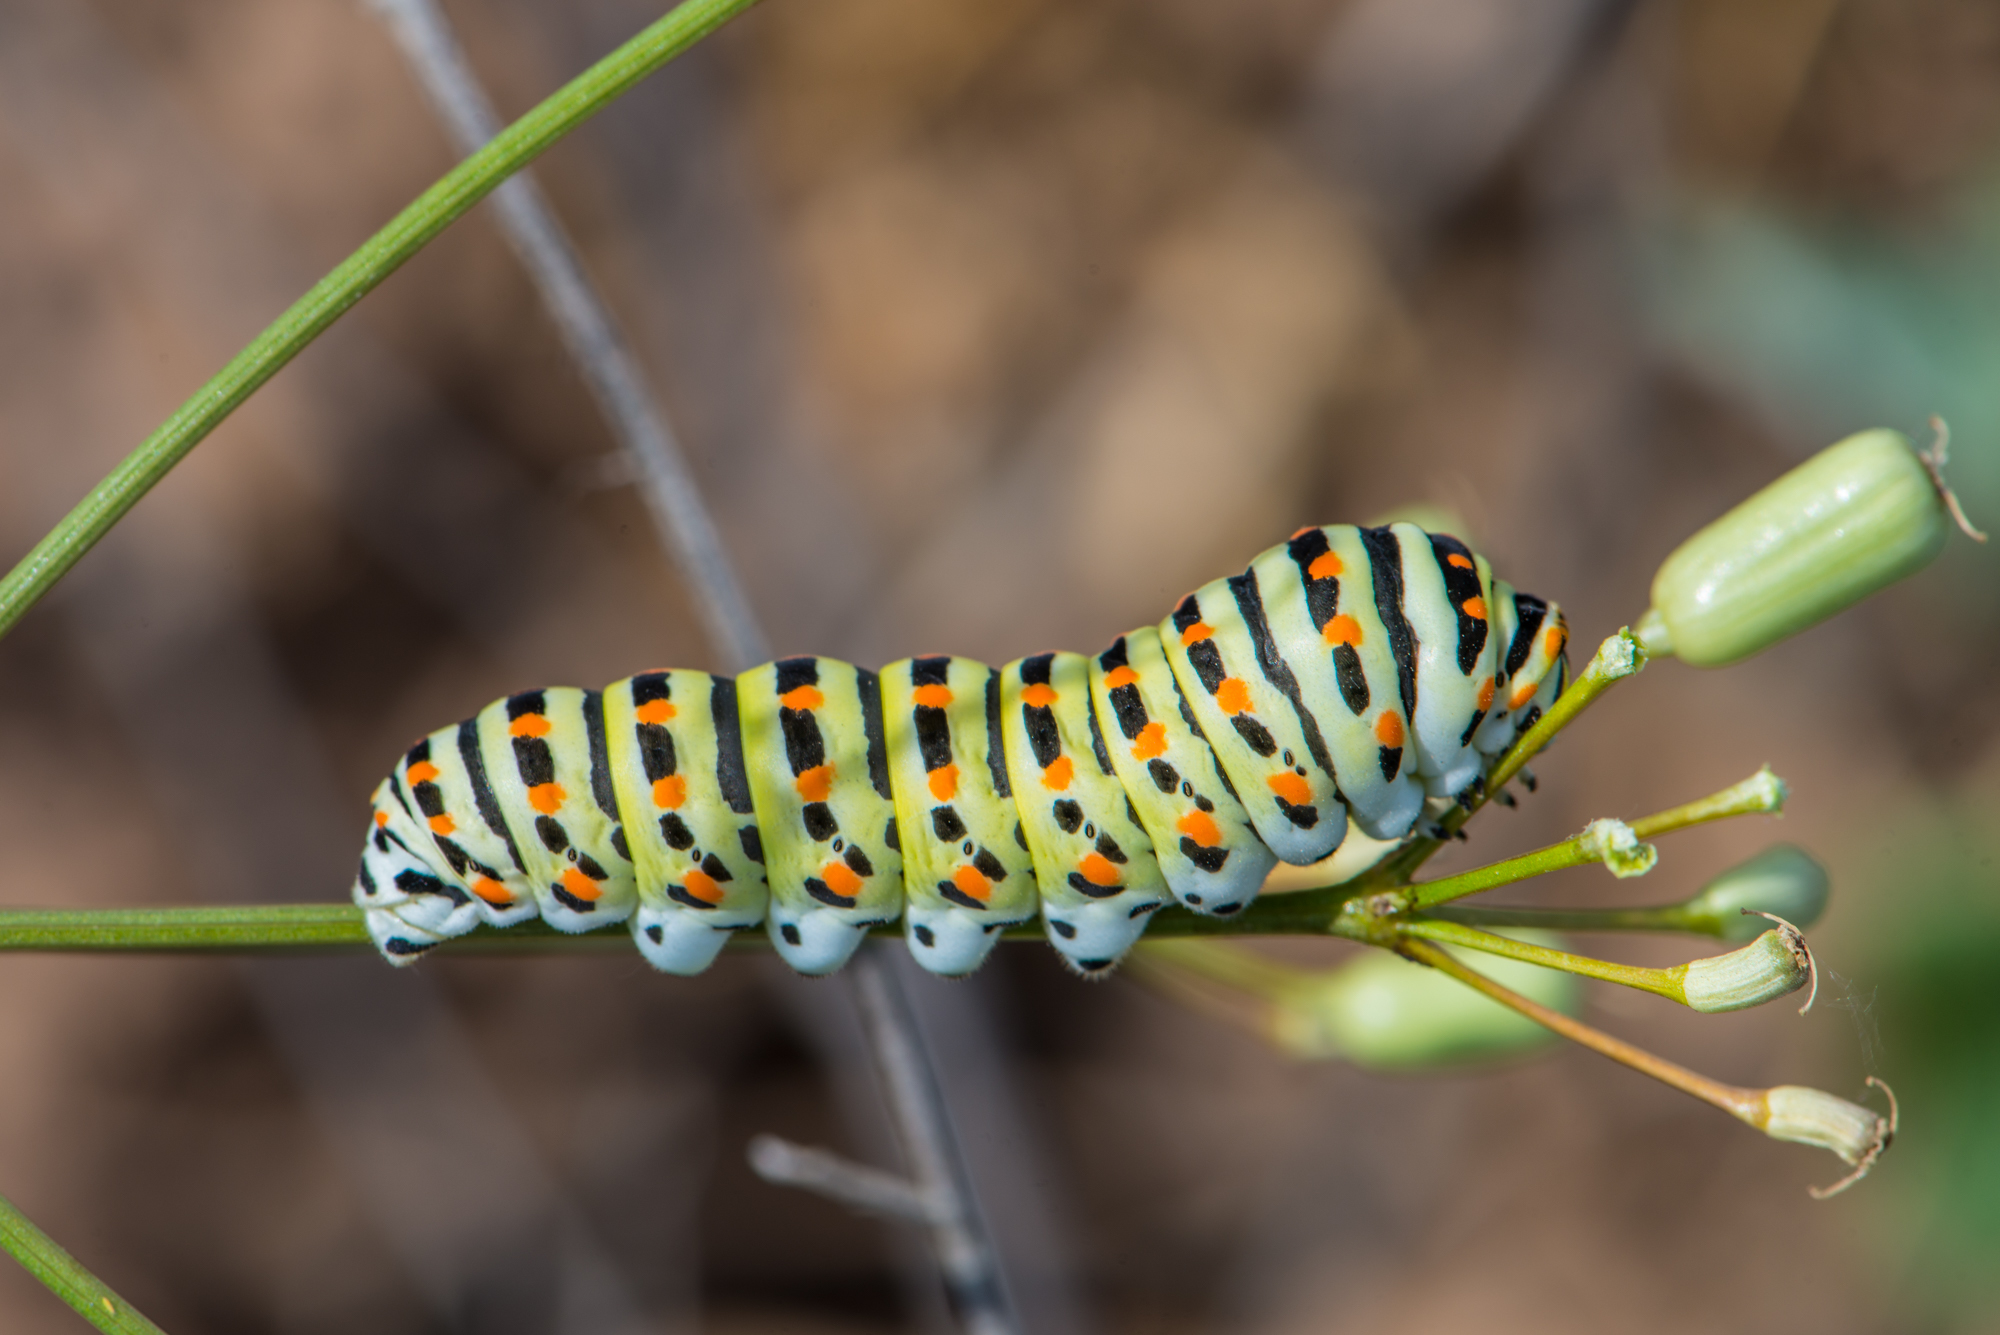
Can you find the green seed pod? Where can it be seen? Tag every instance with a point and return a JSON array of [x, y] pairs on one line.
[[1774, 965], [1855, 517], [1387, 1013], [1784, 880]]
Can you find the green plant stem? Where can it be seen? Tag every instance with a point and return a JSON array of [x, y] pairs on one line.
[[385, 252], [267, 927], [1556, 857], [1747, 1104], [1660, 982], [249, 926], [66, 1277], [1619, 657], [1761, 793], [1653, 918]]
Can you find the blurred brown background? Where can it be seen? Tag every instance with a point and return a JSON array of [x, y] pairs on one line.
[[989, 327]]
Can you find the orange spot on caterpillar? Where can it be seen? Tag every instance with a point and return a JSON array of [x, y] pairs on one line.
[[1486, 696], [580, 885], [1196, 633], [547, 798], [492, 891], [670, 792], [1040, 695], [1292, 787], [970, 883], [937, 697], [1151, 741], [529, 725], [1462, 562], [382, 818], [815, 784], [1342, 630], [840, 879], [1389, 728], [421, 772], [1300, 533], [1475, 608], [1098, 870], [702, 886], [1119, 676], [1232, 697], [1200, 827], [655, 711], [1522, 694], [1058, 774], [1327, 565], [443, 825], [802, 698], [944, 782], [1552, 640]]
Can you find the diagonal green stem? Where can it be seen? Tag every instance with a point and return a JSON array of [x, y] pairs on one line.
[[1662, 982], [465, 185], [65, 1276], [1620, 656]]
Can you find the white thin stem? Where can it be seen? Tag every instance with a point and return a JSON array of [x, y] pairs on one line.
[[965, 1254], [855, 1185], [942, 1190], [592, 337]]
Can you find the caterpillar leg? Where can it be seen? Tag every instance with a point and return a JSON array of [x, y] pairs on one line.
[[675, 940], [814, 940]]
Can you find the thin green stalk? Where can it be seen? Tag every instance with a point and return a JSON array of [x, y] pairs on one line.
[[1620, 656], [1661, 982], [1607, 841], [1747, 1104], [66, 1277], [1653, 918], [1762, 793], [1556, 857], [385, 252], [244, 927], [267, 927]]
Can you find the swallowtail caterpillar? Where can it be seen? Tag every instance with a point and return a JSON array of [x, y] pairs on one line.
[[1347, 675]]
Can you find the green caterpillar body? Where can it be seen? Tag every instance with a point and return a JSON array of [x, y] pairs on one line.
[[1349, 673]]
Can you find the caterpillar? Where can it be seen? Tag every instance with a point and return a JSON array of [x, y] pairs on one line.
[[1349, 674]]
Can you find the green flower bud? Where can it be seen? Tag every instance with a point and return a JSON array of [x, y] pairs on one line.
[[1784, 880], [1855, 517], [1384, 1012], [1775, 964]]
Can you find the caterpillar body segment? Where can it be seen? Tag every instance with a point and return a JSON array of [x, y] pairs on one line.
[[675, 744], [1098, 874], [1208, 849], [967, 872], [818, 760], [1347, 673]]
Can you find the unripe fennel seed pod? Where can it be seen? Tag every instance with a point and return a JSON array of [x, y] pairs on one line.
[[1784, 880], [1387, 1013], [1855, 517]]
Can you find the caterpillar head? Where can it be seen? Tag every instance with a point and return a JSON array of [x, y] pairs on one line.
[[410, 902]]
